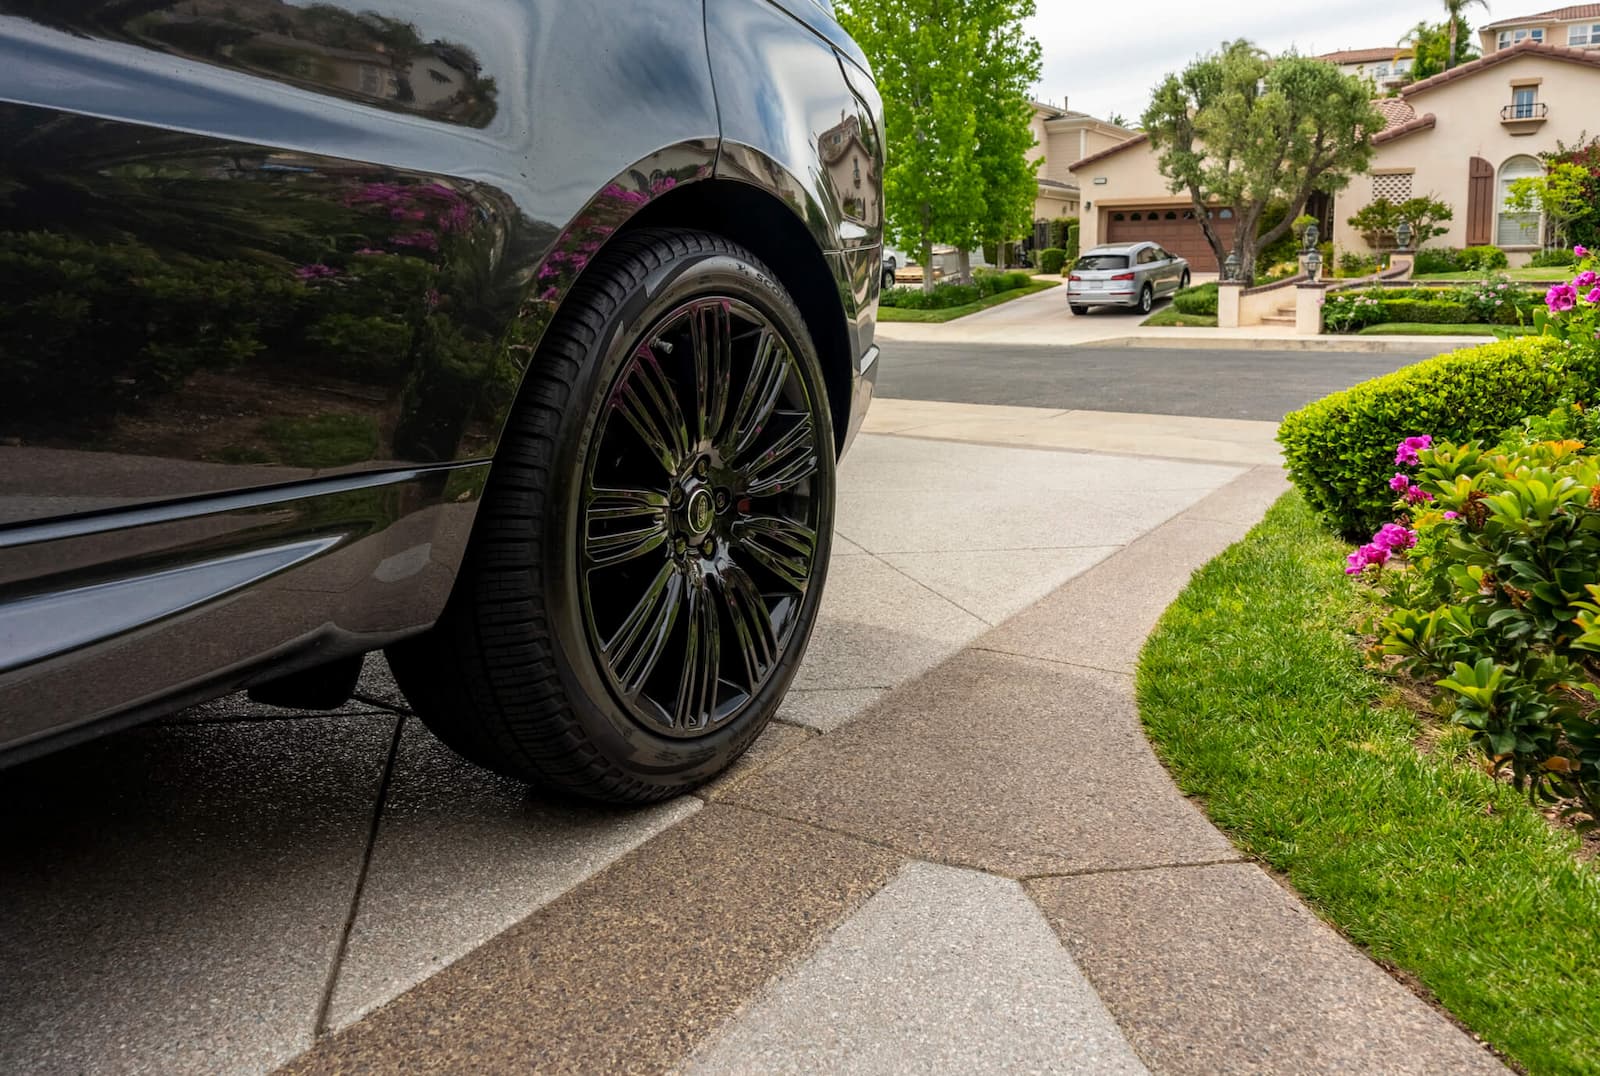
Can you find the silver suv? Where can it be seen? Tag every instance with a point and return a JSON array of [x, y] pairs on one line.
[[1130, 274]]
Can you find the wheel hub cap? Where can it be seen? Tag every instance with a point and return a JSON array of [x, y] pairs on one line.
[[700, 512]]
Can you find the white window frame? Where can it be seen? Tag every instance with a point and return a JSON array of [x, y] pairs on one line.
[[1579, 36], [1524, 109], [1518, 36], [1524, 166]]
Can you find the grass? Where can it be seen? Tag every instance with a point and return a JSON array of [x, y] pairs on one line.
[[1255, 695], [1416, 328], [1171, 316], [950, 313], [1546, 275]]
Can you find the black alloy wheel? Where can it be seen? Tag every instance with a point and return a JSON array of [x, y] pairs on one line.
[[700, 516], [651, 549], [1147, 299]]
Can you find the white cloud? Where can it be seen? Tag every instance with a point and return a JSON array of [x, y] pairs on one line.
[[1105, 58]]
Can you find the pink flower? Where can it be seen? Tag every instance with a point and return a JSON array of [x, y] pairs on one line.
[[1400, 483], [371, 250], [1579, 251], [1406, 454], [1593, 297], [1452, 515], [1561, 298], [1586, 279], [1368, 556], [422, 240], [315, 272], [1418, 495], [1394, 538]]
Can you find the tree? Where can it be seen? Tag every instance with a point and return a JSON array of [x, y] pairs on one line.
[[1240, 129], [957, 123], [1379, 220], [1457, 23], [1117, 119], [1437, 47], [1561, 194]]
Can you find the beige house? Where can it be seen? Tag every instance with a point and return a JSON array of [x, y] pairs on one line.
[[1386, 68], [1463, 136], [1062, 138], [1576, 27]]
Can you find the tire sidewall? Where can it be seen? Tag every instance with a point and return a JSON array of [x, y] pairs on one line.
[[1147, 299], [646, 756]]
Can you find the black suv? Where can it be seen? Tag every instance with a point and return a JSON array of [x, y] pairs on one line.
[[518, 340]]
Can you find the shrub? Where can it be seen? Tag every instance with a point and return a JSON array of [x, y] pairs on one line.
[[1483, 259], [1352, 264], [1439, 260], [1493, 589], [1553, 259], [1073, 233], [1199, 300], [984, 283], [1057, 232], [1427, 311], [1337, 447], [1051, 259]]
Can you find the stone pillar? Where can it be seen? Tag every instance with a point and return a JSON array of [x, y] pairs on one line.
[[1402, 261], [1228, 295], [1308, 309]]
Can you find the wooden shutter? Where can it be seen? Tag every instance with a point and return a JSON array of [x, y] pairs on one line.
[[1480, 202]]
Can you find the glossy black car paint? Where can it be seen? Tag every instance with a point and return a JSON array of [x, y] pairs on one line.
[[271, 273]]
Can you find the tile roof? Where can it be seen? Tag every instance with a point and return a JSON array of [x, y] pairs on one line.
[[1560, 14], [1422, 123], [1137, 140], [1527, 48], [1365, 56], [1396, 111]]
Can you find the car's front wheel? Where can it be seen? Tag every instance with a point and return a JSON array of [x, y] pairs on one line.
[[651, 548]]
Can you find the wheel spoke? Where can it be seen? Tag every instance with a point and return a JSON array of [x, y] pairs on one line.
[[711, 329], [791, 459], [752, 624], [638, 644], [609, 539], [646, 398], [782, 546], [768, 371], [702, 662]]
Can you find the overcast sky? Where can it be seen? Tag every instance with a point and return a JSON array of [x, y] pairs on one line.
[[1104, 57]]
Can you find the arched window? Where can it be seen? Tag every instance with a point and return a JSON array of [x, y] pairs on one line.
[[1226, 214], [1136, 216], [1516, 229], [1118, 216], [1171, 215]]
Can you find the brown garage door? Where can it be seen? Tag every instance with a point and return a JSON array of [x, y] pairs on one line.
[[1175, 228]]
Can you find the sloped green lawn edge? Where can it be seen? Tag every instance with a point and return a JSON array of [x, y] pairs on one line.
[[951, 313], [1252, 690]]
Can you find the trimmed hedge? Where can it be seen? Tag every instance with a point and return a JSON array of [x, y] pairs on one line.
[[1427, 311], [1340, 449], [1073, 232], [1553, 259], [1459, 259], [1200, 300], [984, 284], [1051, 259]]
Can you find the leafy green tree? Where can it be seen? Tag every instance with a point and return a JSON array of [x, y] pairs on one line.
[[1562, 194], [1458, 30], [1238, 128], [1437, 47], [956, 118]]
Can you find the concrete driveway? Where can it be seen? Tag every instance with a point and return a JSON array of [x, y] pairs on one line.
[[952, 852]]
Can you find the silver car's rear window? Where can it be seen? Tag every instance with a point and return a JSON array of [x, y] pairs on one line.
[[1102, 261]]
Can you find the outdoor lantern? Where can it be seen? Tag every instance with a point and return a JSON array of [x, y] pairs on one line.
[[1402, 235], [1313, 264], [1313, 233], [1230, 268]]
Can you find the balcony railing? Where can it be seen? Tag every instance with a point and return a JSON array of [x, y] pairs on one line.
[[1526, 110]]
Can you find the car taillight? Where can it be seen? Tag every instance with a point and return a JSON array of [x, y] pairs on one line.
[[1076, 277], [1123, 276]]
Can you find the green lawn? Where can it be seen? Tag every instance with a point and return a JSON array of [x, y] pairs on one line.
[[950, 313], [1415, 328], [1254, 692], [1537, 276], [1171, 317]]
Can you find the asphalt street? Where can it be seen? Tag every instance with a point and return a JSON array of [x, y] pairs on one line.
[[1263, 385]]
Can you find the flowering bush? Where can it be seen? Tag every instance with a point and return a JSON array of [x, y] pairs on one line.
[[1347, 311], [1492, 585], [1572, 310]]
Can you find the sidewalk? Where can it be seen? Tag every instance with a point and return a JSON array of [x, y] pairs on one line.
[[953, 852], [1043, 318]]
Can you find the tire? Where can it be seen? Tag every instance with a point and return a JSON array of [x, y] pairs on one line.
[[1183, 282], [1147, 299], [1080, 311], [588, 647], [888, 278]]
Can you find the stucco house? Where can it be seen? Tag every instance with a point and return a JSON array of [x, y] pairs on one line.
[[1062, 138], [1461, 136], [1575, 27], [1386, 68]]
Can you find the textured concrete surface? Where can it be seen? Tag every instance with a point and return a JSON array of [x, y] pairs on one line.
[[995, 584], [460, 855], [173, 897], [825, 709], [775, 741], [1219, 969], [1005, 764], [628, 972], [943, 971]]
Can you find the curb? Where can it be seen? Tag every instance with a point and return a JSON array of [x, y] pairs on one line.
[[1396, 345]]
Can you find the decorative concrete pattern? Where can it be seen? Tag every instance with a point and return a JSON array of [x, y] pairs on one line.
[[943, 971]]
